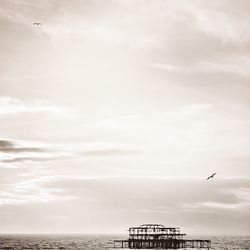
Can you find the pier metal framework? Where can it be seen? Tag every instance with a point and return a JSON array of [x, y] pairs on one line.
[[150, 236]]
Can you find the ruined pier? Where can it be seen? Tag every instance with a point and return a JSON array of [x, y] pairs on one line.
[[150, 236]]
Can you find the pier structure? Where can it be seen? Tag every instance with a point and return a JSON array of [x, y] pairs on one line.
[[149, 236]]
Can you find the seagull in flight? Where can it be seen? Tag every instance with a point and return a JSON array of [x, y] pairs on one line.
[[37, 24], [212, 176]]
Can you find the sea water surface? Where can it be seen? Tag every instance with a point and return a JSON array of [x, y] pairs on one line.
[[93, 242]]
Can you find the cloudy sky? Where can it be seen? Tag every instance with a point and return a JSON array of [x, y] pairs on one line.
[[113, 113]]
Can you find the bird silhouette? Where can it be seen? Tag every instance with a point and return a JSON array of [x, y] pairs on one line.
[[37, 24], [211, 176]]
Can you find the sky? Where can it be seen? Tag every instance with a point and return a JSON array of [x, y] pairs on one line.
[[113, 114]]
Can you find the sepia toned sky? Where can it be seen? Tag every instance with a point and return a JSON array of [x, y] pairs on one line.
[[113, 114]]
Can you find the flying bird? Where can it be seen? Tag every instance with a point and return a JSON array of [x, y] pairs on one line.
[[212, 176], [37, 24]]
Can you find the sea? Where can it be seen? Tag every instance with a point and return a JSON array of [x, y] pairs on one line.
[[93, 242]]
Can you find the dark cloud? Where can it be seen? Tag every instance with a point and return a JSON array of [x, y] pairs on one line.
[[5, 144], [11, 147], [22, 149], [36, 159], [17, 153]]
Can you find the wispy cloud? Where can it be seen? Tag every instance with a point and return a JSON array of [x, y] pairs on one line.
[[110, 152], [193, 109], [234, 65], [11, 106], [31, 191], [27, 16], [226, 21], [221, 205]]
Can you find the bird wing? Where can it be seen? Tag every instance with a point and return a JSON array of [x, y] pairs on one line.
[[211, 176]]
